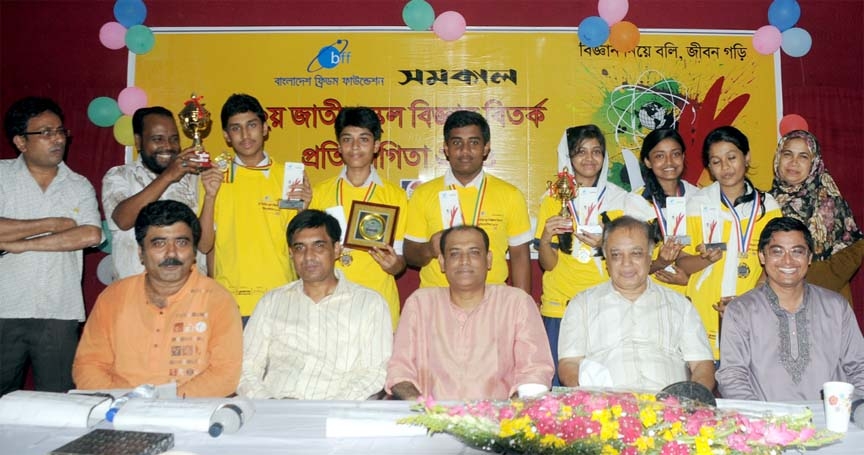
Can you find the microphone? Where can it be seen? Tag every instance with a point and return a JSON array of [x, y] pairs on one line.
[[857, 415]]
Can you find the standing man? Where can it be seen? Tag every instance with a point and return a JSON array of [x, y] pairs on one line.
[[250, 255], [630, 332], [358, 131], [471, 340], [161, 172], [321, 337], [48, 214], [169, 324], [482, 199], [784, 339]]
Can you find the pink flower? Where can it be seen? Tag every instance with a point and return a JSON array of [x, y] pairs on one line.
[[755, 430], [779, 435], [737, 441], [671, 414], [547, 425], [577, 398], [675, 448], [456, 411], [806, 433], [506, 413], [596, 403], [428, 402], [579, 427], [630, 429], [629, 450]]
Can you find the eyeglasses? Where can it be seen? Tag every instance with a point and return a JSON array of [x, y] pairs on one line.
[[50, 134], [797, 253]]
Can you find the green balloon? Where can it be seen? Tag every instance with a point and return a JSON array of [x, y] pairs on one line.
[[418, 15], [140, 39], [103, 111]]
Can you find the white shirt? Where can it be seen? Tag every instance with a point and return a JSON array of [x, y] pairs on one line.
[[644, 344], [44, 284], [121, 183], [336, 349]]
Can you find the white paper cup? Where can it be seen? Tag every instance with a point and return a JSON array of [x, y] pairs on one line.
[[531, 390], [838, 405]]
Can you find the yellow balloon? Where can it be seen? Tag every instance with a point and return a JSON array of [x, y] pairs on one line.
[[123, 130]]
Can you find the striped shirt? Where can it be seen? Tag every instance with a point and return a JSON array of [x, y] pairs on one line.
[[336, 349]]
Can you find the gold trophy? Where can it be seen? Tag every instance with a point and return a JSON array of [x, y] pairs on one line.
[[196, 123], [564, 190]]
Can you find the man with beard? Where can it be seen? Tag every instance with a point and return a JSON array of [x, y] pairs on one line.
[[169, 324], [48, 214], [161, 172]]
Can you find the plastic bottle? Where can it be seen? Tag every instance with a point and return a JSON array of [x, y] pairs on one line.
[[147, 391]]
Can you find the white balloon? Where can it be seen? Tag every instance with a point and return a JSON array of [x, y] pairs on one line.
[[105, 271]]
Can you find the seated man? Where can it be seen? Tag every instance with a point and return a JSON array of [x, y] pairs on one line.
[[469, 340], [630, 332], [321, 337], [170, 323], [784, 339]]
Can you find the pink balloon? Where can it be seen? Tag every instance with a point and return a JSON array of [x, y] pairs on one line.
[[612, 11], [767, 39], [112, 35], [449, 26], [791, 123], [131, 99]]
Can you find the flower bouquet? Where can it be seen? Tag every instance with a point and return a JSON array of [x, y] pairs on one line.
[[612, 423]]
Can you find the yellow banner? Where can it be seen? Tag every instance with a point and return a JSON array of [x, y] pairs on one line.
[[530, 85]]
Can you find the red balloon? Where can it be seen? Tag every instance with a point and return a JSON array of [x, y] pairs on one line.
[[791, 123]]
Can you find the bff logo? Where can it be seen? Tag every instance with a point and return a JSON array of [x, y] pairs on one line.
[[330, 56]]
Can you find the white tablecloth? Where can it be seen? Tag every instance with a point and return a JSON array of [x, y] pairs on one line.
[[280, 427]]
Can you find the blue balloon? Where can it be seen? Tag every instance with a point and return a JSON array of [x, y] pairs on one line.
[[784, 14], [796, 42], [593, 31], [130, 12]]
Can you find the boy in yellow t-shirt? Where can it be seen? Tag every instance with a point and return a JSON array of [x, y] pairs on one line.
[[246, 224], [358, 131]]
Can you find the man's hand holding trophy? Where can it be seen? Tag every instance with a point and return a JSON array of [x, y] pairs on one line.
[[195, 121]]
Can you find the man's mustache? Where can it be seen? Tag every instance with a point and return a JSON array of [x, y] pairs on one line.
[[170, 262]]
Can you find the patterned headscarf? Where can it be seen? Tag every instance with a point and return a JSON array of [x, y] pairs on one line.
[[816, 202]]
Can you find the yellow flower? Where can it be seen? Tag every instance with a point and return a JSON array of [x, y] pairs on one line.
[[648, 417], [673, 431], [707, 432], [646, 397], [517, 405], [702, 446], [601, 415], [616, 410], [511, 427], [643, 443], [566, 413], [609, 450], [609, 430], [550, 440]]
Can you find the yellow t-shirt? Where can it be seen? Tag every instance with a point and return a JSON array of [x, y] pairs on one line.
[[681, 289], [570, 277], [251, 251], [363, 270], [503, 215], [706, 286]]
